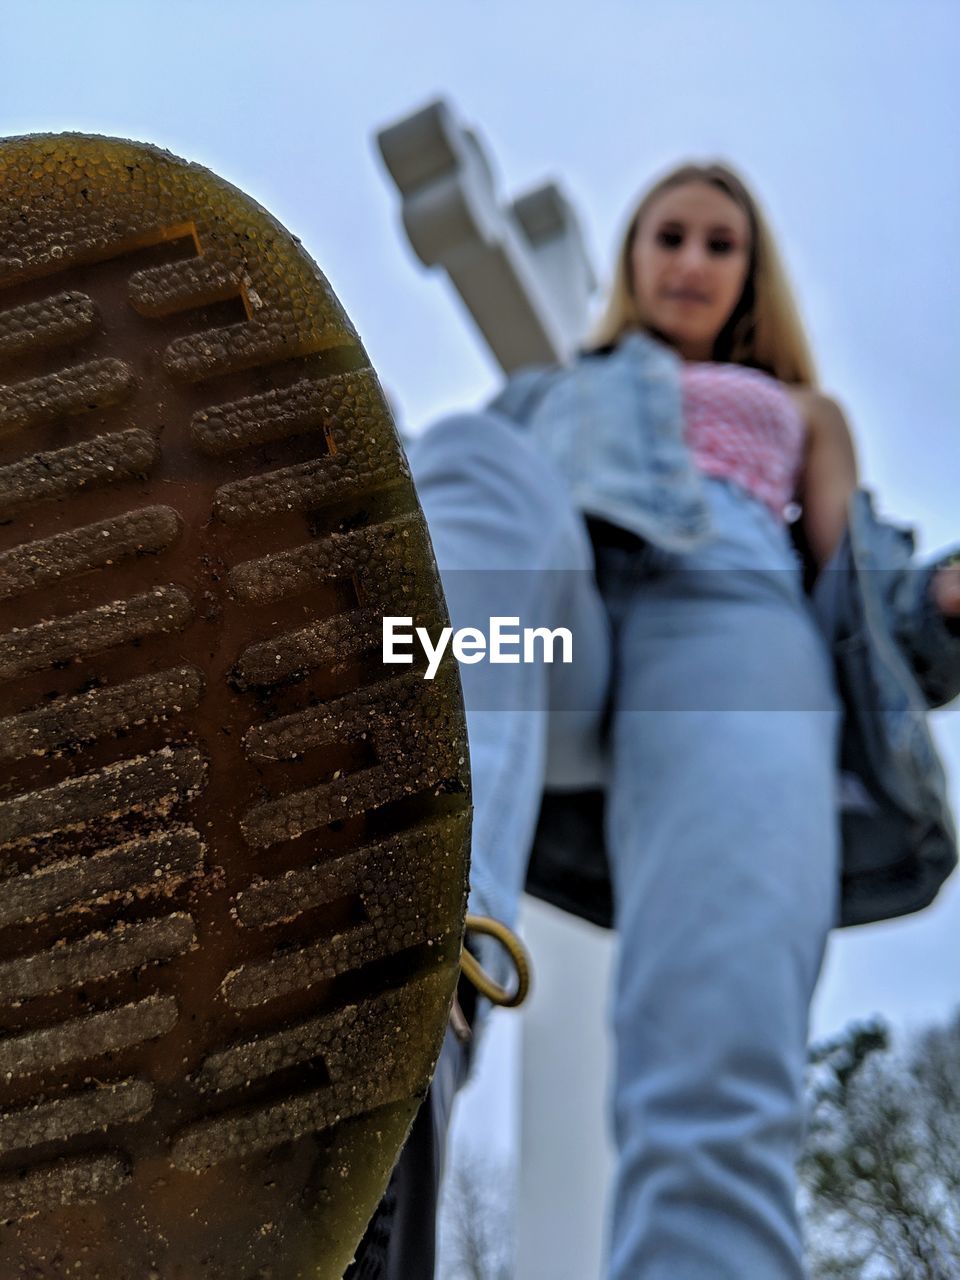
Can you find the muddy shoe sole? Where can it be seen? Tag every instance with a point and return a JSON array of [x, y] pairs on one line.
[[233, 844]]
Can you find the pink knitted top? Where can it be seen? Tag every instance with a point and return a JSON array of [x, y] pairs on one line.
[[742, 424]]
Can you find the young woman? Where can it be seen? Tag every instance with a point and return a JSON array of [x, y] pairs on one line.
[[702, 695], [199, 538]]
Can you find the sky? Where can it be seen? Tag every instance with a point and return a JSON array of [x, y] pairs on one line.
[[843, 118]]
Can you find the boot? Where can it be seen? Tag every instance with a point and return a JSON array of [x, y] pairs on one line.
[[234, 844]]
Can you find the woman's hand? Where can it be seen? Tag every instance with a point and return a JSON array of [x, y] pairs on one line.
[[945, 589]]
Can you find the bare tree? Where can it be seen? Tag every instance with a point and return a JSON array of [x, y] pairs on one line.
[[880, 1172], [477, 1219]]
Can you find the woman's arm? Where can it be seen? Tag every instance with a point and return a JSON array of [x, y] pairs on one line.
[[829, 475], [945, 589], [829, 478]]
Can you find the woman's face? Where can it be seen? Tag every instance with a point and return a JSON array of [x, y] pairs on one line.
[[689, 262]]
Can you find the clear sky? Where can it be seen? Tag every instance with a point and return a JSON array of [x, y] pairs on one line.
[[843, 116]]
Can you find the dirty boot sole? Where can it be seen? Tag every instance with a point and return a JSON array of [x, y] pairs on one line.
[[233, 844]]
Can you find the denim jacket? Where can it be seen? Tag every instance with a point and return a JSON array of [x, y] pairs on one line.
[[613, 423]]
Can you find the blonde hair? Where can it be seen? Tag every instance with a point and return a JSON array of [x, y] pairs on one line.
[[764, 330]]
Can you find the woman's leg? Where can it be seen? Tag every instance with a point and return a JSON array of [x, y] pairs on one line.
[[509, 543], [723, 836]]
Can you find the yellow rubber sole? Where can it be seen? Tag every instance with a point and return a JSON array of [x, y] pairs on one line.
[[233, 845]]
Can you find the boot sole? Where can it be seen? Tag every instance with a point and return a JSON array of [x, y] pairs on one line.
[[233, 844]]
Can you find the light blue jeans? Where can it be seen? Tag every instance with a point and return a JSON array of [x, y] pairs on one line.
[[701, 696]]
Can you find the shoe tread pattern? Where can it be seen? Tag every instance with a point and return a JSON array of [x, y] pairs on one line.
[[232, 852]]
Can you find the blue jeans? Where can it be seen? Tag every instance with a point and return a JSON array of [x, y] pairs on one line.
[[702, 698]]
